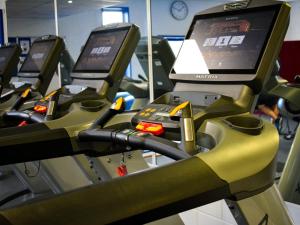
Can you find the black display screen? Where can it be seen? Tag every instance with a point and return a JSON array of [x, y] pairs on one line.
[[224, 44], [100, 51], [5, 55], [37, 56]]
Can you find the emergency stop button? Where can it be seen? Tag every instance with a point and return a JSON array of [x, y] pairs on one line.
[[154, 128]]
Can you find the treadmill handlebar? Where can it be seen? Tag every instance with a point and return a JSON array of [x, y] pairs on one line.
[[117, 107], [23, 116], [21, 99], [135, 140], [52, 105], [184, 113]]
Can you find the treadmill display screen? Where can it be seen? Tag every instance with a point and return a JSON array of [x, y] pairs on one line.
[[37, 56], [226, 43], [100, 51], [5, 55]]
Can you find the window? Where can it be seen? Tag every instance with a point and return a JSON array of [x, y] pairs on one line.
[[116, 15]]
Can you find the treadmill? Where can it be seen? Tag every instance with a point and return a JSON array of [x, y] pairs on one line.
[[96, 79], [207, 112], [289, 94], [163, 59], [66, 66], [35, 75], [9, 59]]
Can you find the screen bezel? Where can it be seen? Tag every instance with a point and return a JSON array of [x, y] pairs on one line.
[[275, 8], [101, 32], [13, 49], [37, 71]]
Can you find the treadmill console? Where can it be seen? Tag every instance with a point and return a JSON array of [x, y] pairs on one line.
[[157, 112], [9, 59], [42, 61], [163, 60], [227, 48], [105, 57]]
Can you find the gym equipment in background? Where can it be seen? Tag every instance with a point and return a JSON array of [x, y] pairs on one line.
[[96, 79], [163, 60], [220, 140], [9, 59], [35, 75]]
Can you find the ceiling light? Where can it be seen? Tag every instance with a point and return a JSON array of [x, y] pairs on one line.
[[70, 1]]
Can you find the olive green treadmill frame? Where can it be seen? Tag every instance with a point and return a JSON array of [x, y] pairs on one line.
[[206, 177], [51, 174]]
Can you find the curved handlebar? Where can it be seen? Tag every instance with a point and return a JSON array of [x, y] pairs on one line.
[[29, 117], [137, 140]]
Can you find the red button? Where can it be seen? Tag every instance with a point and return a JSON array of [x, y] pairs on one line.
[[153, 128], [122, 170], [40, 108], [22, 124]]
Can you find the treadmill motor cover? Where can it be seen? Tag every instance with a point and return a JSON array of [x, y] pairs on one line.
[[100, 51], [226, 44], [37, 56]]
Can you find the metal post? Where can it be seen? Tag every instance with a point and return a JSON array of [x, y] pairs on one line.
[[150, 64], [5, 21], [57, 32], [150, 59]]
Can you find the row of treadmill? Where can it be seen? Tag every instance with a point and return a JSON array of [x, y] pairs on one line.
[[73, 155]]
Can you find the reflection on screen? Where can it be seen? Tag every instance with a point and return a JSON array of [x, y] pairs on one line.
[[225, 43], [100, 51], [37, 55], [190, 65], [5, 55]]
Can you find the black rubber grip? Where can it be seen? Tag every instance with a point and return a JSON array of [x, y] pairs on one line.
[[102, 135], [159, 145], [145, 141], [16, 116], [20, 116], [18, 103]]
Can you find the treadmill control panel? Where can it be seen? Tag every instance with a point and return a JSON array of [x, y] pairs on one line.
[[159, 113]]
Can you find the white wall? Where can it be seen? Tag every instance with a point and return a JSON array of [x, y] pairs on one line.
[[29, 27], [164, 23], [76, 28], [293, 32]]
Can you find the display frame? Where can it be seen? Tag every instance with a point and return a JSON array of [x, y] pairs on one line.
[[90, 73], [13, 49], [217, 74], [50, 52]]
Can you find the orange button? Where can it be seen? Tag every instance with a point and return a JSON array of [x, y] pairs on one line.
[[40, 108], [153, 128]]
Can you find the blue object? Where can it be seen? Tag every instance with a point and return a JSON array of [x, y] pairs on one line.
[[129, 99], [1, 28]]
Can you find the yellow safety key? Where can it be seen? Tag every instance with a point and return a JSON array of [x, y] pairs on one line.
[[179, 107], [118, 104], [25, 93], [48, 96]]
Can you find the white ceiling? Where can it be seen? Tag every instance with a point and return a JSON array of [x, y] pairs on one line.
[[44, 9]]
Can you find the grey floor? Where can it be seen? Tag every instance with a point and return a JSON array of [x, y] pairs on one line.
[[285, 142]]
